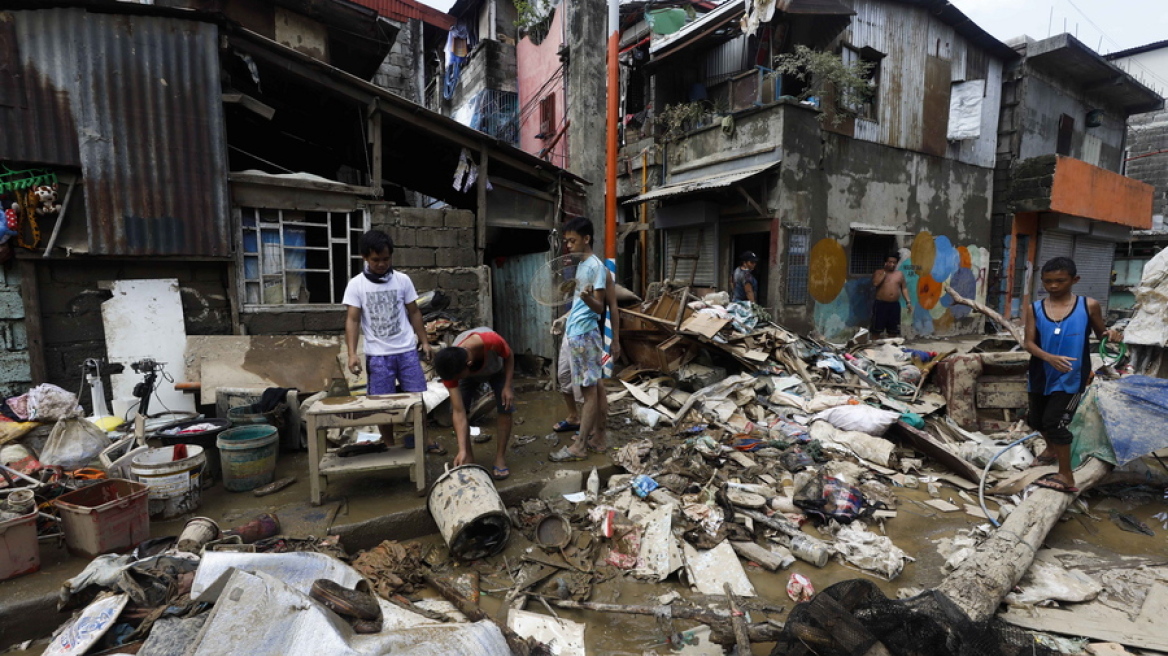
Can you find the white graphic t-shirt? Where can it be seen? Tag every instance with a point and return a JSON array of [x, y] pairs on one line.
[[384, 321]]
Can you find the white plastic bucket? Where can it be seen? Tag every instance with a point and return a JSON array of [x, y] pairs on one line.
[[469, 513], [174, 484]]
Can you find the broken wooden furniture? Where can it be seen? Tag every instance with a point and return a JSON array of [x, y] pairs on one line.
[[347, 411]]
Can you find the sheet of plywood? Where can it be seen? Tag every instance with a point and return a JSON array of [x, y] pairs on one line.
[[306, 362], [1098, 622], [144, 319]]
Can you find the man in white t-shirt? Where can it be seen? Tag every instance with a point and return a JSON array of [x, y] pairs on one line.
[[382, 306]]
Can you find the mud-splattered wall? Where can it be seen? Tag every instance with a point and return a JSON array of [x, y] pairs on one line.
[[843, 303]]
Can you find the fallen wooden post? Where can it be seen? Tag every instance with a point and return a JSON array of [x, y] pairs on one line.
[[704, 615], [982, 581], [741, 637]]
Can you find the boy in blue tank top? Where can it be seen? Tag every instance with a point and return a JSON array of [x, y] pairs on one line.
[[1060, 364]]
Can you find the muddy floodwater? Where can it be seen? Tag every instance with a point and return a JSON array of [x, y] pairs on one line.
[[920, 530]]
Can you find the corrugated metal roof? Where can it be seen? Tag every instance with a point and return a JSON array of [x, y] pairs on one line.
[[702, 184], [139, 98], [404, 10]]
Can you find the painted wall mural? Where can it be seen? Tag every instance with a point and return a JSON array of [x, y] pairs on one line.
[[844, 304]]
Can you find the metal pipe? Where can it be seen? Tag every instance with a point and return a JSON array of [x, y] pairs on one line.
[[60, 219]]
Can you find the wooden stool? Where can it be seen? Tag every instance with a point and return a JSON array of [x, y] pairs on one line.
[[346, 411]]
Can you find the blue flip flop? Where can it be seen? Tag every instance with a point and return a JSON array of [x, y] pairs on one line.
[[565, 426]]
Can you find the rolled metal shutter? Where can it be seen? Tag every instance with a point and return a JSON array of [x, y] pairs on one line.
[[1051, 245], [1094, 257], [706, 275]]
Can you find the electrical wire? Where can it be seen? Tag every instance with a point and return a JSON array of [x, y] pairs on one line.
[[986, 472]]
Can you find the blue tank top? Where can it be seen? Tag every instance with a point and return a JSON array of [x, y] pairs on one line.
[[1067, 337]]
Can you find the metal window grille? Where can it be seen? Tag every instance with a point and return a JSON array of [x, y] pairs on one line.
[[298, 257], [869, 251], [798, 259]]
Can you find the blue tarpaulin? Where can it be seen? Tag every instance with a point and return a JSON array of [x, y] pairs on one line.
[[1133, 415]]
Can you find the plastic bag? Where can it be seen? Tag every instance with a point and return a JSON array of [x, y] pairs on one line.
[[863, 418], [47, 402], [829, 498], [74, 443]]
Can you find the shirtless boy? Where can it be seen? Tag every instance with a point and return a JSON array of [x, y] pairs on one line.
[[890, 285]]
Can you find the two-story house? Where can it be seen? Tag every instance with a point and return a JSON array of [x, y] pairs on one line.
[[821, 192]]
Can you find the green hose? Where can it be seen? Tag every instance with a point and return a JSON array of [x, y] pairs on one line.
[[1115, 359]]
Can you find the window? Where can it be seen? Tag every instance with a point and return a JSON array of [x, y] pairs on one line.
[[869, 252], [868, 108], [798, 252], [299, 257], [547, 117], [1066, 130]]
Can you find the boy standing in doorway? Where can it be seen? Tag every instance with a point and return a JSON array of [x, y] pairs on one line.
[[745, 284], [382, 306], [1060, 364], [585, 343], [890, 286]]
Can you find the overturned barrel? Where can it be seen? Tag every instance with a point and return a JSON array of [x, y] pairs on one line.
[[469, 513]]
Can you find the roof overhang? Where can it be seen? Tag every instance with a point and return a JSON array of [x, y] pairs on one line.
[[1067, 58], [707, 183]]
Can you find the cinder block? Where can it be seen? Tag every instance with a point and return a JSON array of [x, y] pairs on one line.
[[11, 305], [424, 279], [403, 236], [456, 257], [458, 281], [325, 322], [460, 219], [414, 257], [274, 323], [438, 238], [418, 217]]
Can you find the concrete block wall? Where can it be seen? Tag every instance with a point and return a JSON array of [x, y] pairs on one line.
[[397, 73], [71, 299], [1148, 136], [15, 373]]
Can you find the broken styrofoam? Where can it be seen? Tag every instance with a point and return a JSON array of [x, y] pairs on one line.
[[1048, 581], [563, 637], [869, 551], [710, 570], [297, 569], [660, 555]]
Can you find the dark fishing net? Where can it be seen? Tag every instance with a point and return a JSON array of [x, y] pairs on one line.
[[848, 618]]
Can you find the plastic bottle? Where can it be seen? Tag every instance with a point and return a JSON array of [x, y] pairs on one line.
[[809, 549], [647, 416], [593, 484], [784, 504]]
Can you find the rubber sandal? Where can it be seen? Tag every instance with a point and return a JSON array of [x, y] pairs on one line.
[[408, 441], [500, 473], [564, 455], [592, 449], [565, 426], [481, 438], [436, 449], [1050, 482]]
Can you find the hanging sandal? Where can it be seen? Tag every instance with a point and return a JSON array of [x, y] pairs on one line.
[[1052, 482]]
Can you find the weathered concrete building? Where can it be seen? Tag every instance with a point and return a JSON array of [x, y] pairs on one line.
[[824, 196], [1146, 160], [415, 59], [241, 149], [1059, 189]]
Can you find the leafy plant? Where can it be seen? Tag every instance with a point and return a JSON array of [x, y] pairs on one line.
[[824, 72], [534, 18], [678, 119]]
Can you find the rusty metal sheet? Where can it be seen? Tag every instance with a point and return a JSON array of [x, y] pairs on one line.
[[135, 100], [935, 112]]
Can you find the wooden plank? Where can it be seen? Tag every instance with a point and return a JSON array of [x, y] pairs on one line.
[[35, 341], [1095, 622], [928, 445]]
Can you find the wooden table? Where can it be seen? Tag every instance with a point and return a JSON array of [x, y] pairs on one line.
[[346, 411]]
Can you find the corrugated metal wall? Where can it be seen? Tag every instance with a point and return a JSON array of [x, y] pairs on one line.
[[898, 31], [525, 324], [140, 98]]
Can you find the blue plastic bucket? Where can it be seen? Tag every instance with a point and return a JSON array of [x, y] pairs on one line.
[[248, 456]]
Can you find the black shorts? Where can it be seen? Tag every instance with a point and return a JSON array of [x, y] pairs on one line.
[[886, 317], [1050, 414]]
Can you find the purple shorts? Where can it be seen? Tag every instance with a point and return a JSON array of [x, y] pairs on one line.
[[388, 373]]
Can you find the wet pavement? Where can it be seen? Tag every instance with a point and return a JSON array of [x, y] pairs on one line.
[[365, 509]]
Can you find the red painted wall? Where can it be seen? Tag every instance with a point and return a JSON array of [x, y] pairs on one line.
[[537, 66]]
